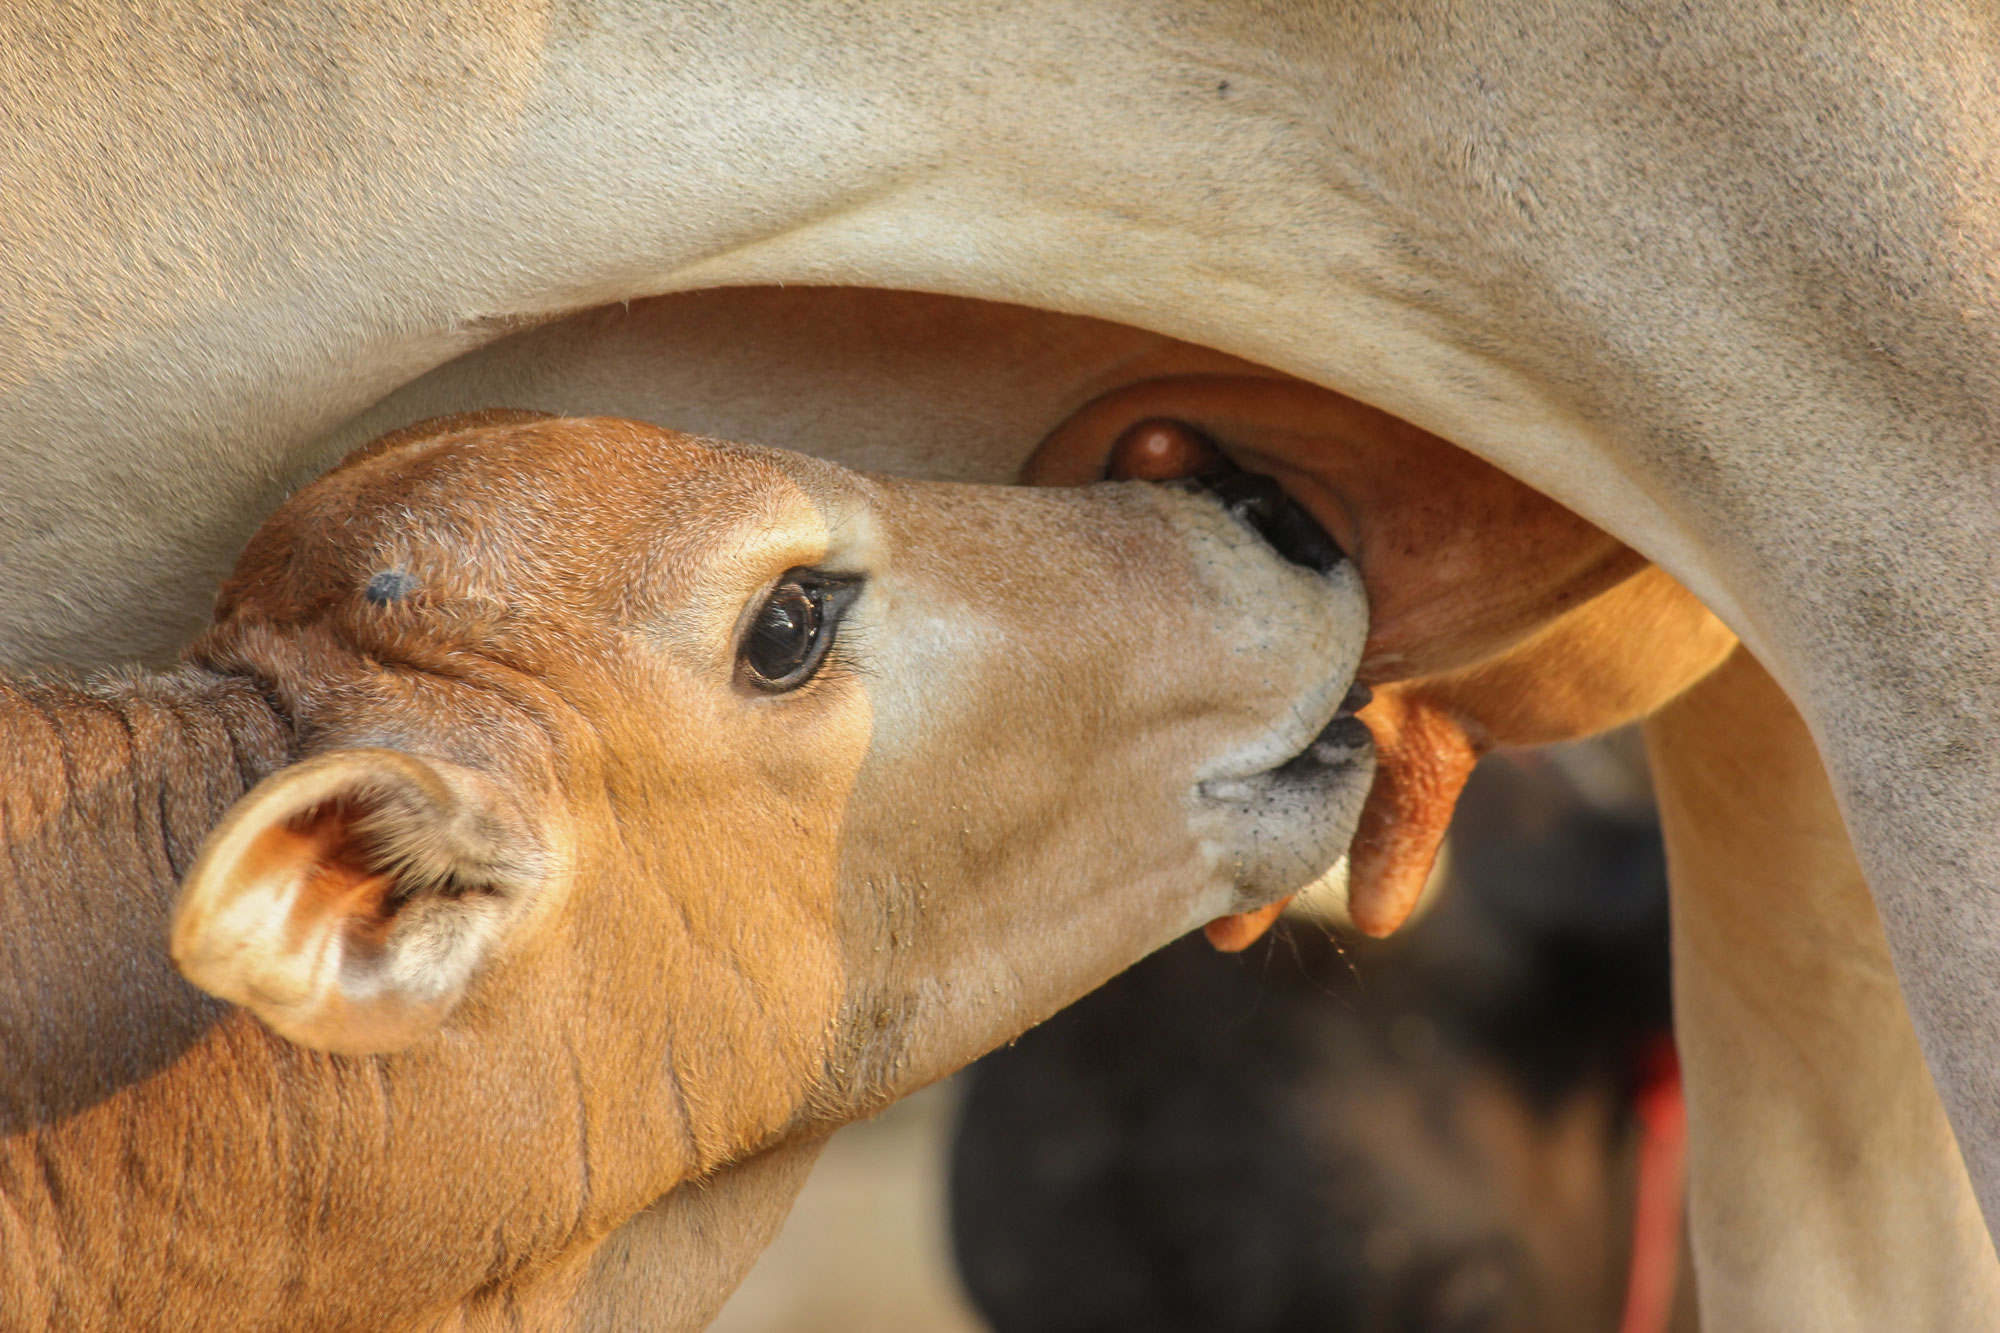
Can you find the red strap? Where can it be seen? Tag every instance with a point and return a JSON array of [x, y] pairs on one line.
[[1656, 1211]]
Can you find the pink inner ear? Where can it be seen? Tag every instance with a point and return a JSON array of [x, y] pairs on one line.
[[319, 851]]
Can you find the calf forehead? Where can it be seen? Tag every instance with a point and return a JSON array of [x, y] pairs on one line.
[[557, 484], [549, 507]]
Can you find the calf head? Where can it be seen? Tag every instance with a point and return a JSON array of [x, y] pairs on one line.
[[1497, 616], [753, 790]]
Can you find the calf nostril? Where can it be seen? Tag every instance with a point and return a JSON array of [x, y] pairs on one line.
[[1262, 503]]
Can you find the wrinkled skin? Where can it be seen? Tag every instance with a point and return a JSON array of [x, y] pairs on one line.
[[1716, 279]]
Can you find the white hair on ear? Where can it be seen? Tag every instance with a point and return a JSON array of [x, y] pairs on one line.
[[456, 846], [460, 873], [349, 900]]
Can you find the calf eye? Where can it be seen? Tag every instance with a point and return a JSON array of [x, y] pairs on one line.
[[793, 629]]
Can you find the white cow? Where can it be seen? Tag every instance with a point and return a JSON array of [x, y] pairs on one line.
[[1718, 279]]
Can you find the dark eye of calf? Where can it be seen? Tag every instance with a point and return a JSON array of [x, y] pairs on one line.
[[793, 630]]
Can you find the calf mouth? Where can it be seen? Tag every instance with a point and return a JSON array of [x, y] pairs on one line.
[[1330, 756], [1263, 505], [1278, 830], [1337, 761], [1340, 743]]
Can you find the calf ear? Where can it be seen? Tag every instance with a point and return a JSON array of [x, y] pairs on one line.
[[348, 900]]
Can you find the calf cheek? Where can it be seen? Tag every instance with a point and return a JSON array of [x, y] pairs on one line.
[[727, 915], [973, 917], [1018, 835]]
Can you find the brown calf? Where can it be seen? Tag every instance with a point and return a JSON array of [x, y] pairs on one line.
[[599, 811]]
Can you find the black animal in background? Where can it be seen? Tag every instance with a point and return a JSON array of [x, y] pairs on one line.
[[1430, 1134]]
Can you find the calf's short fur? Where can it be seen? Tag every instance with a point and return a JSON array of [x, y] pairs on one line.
[[542, 942]]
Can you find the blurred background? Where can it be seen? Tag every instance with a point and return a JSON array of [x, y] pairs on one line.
[[1438, 1133]]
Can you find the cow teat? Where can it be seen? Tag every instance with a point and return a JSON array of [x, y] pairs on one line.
[[1166, 450], [1161, 450]]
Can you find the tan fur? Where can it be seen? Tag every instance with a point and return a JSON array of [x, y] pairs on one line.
[[585, 917]]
